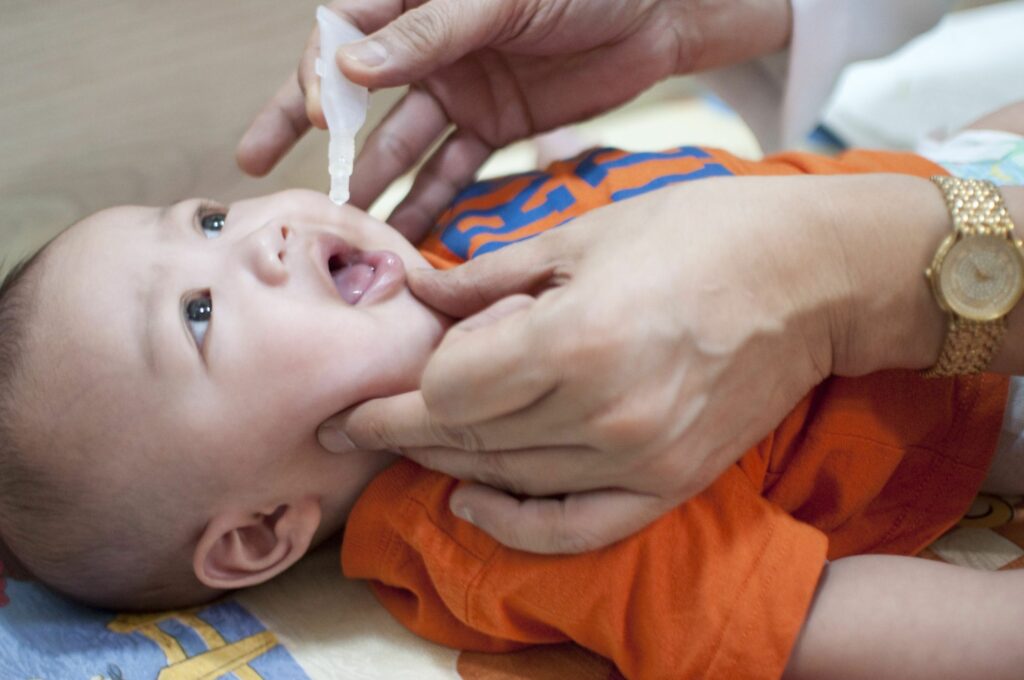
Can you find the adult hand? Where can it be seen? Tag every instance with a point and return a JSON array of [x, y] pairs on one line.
[[667, 335], [627, 358], [499, 71]]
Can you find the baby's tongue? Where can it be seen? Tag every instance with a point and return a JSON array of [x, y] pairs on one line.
[[353, 280]]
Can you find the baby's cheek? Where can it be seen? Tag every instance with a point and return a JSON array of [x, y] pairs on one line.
[[263, 389]]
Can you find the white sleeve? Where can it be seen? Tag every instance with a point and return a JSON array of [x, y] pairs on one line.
[[1006, 475], [781, 96]]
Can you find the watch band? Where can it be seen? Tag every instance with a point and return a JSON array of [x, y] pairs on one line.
[[975, 205], [976, 208], [968, 348]]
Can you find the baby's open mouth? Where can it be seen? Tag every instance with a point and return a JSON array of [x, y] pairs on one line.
[[365, 275], [352, 279]]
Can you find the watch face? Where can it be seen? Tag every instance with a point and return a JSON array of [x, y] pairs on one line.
[[982, 277]]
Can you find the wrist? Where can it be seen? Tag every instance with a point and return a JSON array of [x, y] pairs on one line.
[[886, 228]]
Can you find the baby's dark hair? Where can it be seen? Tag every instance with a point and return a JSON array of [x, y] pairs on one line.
[[53, 529], [32, 497], [15, 313]]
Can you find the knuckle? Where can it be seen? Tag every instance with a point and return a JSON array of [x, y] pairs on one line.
[[397, 147], [471, 279], [440, 401], [377, 431], [591, 351], [563, 537], [425, 27], [513, 19], [464, 438], [493, 470], [625, 425], [432, 175]]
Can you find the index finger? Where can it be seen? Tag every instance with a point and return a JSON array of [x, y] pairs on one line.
[[277, 127], [387, 424], [403, 422], [575, 523]]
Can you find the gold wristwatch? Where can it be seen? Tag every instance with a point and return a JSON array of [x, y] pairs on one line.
[[977, 275]]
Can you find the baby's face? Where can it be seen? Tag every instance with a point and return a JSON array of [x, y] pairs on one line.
[[222, 336]]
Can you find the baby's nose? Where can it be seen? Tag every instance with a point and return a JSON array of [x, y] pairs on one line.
[[267, 253]]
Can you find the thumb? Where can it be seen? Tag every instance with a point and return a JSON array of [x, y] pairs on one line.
[[576, 523], [527, 267], [424, 39]]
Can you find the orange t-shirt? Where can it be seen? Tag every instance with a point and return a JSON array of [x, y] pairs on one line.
[[719, 587]]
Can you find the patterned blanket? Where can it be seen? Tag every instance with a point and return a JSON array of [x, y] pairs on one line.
[[313, 624]]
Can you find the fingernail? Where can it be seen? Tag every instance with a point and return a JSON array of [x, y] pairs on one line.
[[334, 440], [465, 514], [313, 106], [369, 53]]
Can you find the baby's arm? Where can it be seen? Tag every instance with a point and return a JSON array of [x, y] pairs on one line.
[[1009, 118], [877, 617]]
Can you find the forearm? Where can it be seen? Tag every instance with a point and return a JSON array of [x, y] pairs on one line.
[[886, 229], [877, 617]]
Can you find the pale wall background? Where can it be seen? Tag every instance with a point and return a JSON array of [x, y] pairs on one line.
[[105, 102]]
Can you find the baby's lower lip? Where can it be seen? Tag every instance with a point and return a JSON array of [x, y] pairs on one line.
[[366, 277]]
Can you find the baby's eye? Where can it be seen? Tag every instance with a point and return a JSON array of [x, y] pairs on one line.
[[212, 224], [198, 311]]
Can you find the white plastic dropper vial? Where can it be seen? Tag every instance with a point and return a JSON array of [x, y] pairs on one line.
[[343, 101]]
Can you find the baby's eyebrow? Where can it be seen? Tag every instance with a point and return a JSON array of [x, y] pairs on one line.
[[150, 298], [148, 331], [170, 217]]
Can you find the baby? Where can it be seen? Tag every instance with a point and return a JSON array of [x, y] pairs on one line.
[[164, 371]]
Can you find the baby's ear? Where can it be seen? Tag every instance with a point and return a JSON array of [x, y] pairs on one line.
[[240, 549]]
